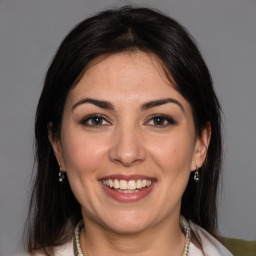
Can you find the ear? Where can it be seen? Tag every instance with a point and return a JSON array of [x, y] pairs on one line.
[[201, 147], [56, 146]]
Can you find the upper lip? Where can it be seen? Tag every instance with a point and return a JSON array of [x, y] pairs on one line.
[[128, 177]]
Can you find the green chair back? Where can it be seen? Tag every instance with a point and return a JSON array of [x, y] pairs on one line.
[[239, 247]]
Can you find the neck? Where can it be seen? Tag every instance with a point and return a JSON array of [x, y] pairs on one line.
[[161, 239]]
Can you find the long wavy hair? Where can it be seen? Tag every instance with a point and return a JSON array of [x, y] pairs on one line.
[[54, 211]]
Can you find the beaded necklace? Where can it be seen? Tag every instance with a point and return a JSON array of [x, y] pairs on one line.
[[183, 222]]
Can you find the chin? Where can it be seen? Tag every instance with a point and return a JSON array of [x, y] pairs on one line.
[[128, 229], [129, 223]]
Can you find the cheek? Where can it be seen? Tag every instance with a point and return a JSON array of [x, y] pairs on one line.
[[82, 157], [81, 153], [173, 155]]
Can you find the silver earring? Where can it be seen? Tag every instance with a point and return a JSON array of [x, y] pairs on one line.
[[196, 175], [61, 175]]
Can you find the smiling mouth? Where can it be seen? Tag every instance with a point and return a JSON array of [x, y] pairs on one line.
[[127, 186]]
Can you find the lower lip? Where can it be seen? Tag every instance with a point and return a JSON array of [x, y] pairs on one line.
[[128, 197]]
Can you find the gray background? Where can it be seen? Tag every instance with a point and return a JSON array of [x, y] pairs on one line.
[[31, 31]]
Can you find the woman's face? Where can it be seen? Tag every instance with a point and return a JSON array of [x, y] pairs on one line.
[[128, 143]]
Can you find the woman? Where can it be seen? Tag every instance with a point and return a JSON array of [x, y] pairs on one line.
[[128, 140]]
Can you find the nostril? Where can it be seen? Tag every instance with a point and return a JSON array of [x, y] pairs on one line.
[[127, 156], [127, 148]]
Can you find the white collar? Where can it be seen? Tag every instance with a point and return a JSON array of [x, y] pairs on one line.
[[211, 246]]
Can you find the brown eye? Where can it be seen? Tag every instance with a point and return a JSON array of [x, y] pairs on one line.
[[94, 121], [161, 121], [97, 121]]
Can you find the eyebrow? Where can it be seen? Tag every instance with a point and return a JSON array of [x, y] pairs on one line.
[[107, 105], [99, 103], [160, 102]]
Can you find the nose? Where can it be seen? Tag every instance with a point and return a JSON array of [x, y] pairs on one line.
[[127, 148]]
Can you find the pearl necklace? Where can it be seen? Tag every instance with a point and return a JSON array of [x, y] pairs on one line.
[[77, 248]]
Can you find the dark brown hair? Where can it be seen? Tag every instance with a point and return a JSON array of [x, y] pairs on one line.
[[54, 211]]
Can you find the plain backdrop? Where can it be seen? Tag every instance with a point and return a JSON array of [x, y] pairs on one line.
[[31, 31]]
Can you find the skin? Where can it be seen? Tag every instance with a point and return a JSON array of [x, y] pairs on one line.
[[128, 140]]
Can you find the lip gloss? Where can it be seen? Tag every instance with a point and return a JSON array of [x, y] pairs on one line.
[[128, 197]]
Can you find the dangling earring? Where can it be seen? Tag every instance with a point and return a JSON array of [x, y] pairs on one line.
[[196, 175], [61, 175]]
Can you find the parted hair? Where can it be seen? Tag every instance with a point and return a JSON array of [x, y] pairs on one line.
[[54, 211]]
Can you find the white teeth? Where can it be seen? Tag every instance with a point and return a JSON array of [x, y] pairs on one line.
[[132, 184], [116, 184], [123, 184], [129, 186], [139, 184], [110, 183], [127, 191]]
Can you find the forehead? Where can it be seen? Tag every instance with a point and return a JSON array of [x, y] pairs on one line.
[[130, 77], [132, 66]]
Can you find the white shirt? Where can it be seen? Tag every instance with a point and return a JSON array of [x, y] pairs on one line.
[[211, 246]]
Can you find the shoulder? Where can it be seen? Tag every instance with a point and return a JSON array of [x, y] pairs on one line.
[[62, 250], [65, 249], [211, 246]]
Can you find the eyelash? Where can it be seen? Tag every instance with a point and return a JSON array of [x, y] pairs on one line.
[[88, 121], [85, 121], [167, 121]]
